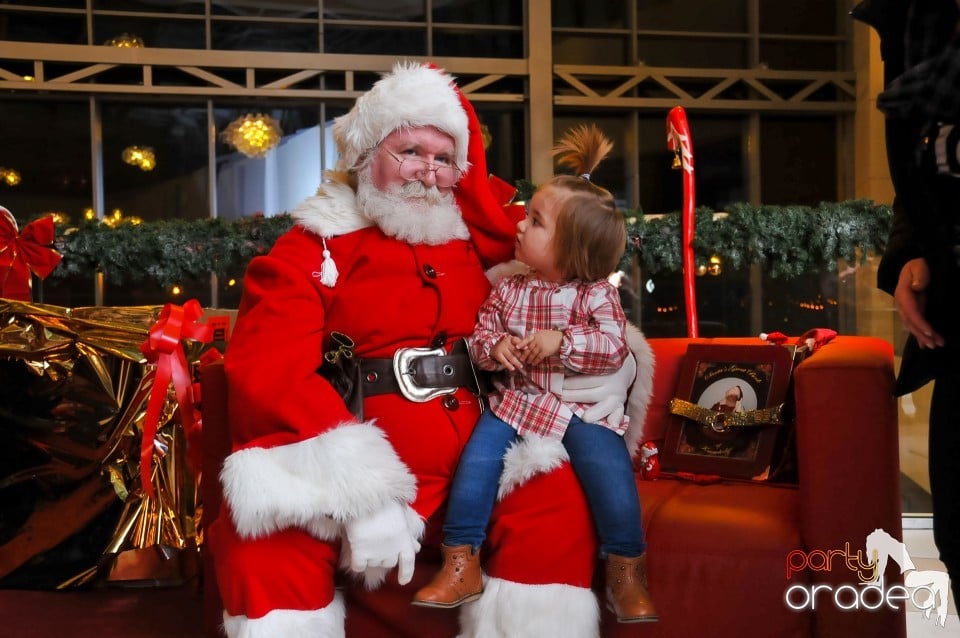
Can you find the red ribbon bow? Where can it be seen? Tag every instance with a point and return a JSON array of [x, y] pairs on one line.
[[24, 252], [163, 348]]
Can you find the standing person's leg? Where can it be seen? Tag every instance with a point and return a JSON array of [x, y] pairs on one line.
[[602, 464], [470, 504], [945, 473]]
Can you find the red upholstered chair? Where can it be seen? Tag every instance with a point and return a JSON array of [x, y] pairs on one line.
[[717, 553]]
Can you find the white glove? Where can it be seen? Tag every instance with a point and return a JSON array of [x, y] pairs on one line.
[[383, 539], [607, 393]]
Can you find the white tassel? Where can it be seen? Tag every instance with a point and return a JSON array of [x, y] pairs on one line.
[[328, 268]]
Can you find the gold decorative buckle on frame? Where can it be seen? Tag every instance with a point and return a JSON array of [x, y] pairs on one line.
[[723, 421]]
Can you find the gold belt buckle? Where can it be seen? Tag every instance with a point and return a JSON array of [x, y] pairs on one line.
[[403, 360]]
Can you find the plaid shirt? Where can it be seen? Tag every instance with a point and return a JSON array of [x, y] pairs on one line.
[[929, 87], [594, 342]]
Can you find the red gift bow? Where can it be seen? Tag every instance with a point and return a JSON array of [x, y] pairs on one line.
[[162, 347], [23, 252], [812, 340]]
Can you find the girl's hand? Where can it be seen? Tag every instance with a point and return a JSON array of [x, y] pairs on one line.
[[507, 353], [540, 345]]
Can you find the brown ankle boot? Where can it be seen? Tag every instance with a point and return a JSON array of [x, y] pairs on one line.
[[459, 580], [627, 594]]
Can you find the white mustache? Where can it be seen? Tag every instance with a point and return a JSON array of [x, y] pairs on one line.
[[418, 190]]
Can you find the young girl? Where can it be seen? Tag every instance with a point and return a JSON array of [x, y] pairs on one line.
[[561, 318]]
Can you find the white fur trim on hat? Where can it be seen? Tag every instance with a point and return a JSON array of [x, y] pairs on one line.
[[409, 96]]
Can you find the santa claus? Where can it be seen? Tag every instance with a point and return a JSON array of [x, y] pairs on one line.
[[384, 272]]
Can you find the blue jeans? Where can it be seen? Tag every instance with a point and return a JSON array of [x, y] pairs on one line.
[[599, 459]]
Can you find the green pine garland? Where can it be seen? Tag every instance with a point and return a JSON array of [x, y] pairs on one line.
[[166, 252], [786, 240]]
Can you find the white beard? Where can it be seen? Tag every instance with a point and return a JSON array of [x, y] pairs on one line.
[[412, 212]]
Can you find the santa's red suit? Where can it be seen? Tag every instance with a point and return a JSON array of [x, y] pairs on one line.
[[303, 469]]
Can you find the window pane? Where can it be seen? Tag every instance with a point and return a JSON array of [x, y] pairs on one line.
[[801, 303], [798, 156], [155, 32], [398, 10], [590, 49], [42, 27], [48, 143], [480, 44], [167, 6], [277, 182], [695, 52], [506, 156], [727, 16], [265, 9], [479, 12], [794, 55], [804, 17], [176, 187], [229, 291], [147, 293], [59, 4], [719, 163], [375, 40], [606, 14], [69, 292], [265, 36], [723, 304]]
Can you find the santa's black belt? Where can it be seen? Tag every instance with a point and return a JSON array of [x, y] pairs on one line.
[[419, 374]]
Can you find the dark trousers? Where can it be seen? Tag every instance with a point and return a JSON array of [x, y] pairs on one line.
[[945, 473]]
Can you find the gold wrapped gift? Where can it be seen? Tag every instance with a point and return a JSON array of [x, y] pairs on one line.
[[74, 390]]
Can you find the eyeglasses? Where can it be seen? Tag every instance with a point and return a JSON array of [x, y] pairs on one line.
[[414, 168]]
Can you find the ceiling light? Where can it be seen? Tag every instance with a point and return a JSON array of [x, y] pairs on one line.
[[140, 156], [9, 176], [253, 135], [125, 41]]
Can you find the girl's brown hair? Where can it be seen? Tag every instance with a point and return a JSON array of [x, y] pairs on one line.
[[591, 234]]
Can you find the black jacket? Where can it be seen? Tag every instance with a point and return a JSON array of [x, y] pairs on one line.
[[926, 207]]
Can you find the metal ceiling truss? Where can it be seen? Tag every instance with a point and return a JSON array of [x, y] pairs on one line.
[[641, 87], [204, 73]]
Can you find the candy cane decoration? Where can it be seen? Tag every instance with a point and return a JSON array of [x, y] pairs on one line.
[[680, 142]]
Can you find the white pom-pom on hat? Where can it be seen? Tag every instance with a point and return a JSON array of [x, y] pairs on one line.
[[411, 95]]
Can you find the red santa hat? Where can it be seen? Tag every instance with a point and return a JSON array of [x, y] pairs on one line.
[[411, 95], [415, 94]]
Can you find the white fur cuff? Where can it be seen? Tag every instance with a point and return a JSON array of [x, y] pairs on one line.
[[315, 484], [290, 623], [513, 610]]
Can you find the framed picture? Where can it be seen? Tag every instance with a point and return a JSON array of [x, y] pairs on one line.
[[728, 414]]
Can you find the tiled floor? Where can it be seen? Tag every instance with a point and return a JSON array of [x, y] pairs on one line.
[[917, 534], [918, 538]]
